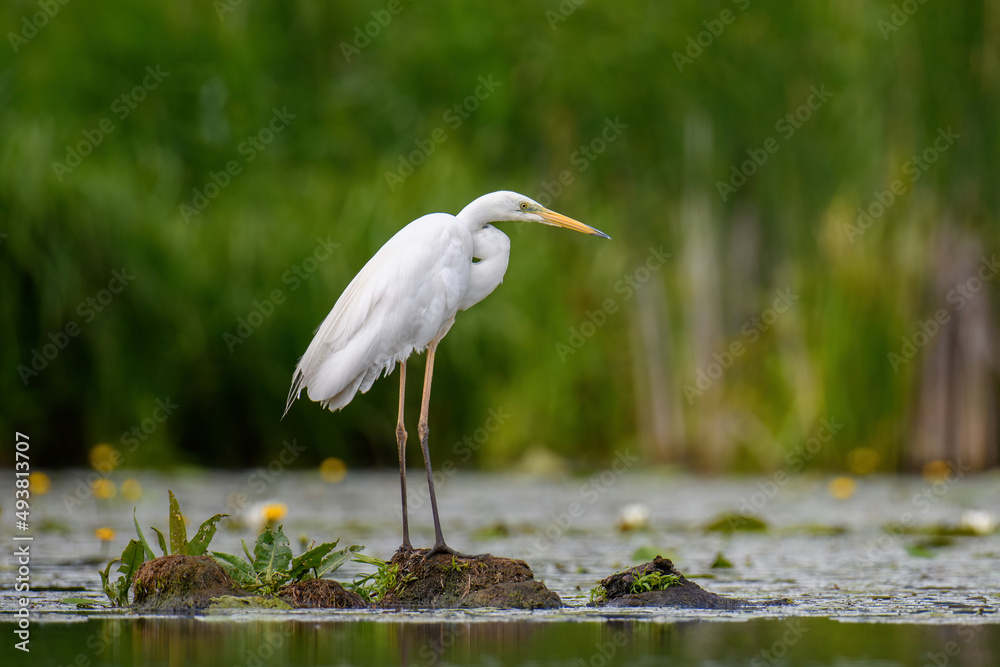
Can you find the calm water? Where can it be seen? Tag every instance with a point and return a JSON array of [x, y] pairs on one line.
[[865, 590], [514, 639]]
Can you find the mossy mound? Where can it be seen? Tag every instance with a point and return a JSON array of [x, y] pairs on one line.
[[445, 582], [182, 583], [322, 594], [683, 593]]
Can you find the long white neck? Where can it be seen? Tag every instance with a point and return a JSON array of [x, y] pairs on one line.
[[492, 248], [482, 211]]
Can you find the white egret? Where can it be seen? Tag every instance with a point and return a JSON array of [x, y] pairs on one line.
[[405, 300]]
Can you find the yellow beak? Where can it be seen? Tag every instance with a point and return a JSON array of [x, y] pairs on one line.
[[560, 220]]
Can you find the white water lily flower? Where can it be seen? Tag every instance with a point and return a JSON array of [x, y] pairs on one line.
[[980, 522]]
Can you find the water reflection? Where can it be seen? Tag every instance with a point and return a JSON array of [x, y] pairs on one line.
[[482, 639]]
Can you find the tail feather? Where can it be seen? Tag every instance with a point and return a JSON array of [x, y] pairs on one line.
[[294, 392]]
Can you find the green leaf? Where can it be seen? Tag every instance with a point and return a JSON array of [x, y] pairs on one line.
[[246, 550], [272, 553], [646, 552], [720, 561], [309, 560], [131, 559], [729, 522], [236, 567], [163, 541], [368, 560], [109, 589], [263, 550], [920, 551], [178, 534], [142, 538], [199, 543], [336, 559]]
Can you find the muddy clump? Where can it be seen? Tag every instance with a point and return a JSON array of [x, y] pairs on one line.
[[682, 593], [321, 594], [446, 582], [182, 583]]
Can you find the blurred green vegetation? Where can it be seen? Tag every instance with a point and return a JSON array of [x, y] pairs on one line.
[[223, 69]]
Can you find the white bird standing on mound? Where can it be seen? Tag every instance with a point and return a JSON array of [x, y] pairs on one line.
[[405, 300]]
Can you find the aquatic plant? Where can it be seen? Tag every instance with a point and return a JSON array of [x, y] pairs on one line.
[[651, 581], [271, 564], [268, 568], [138, 551], [455, 566], [385, 578], [654, 581]]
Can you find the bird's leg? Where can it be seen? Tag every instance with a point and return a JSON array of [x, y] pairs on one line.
[[401, 441], [424, 431]]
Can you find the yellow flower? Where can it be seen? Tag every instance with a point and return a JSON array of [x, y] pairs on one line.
[[103, 488], [105, 534], [936, 471], [104, 457], [842, 488], [862, 460], [274, 512], [332, 470], [264, 514], [131, 489], [39, 483]]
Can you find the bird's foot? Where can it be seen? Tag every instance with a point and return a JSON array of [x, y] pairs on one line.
[[443, 548], [405, 548]]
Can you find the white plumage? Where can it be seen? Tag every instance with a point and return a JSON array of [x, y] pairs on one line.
[[405, 300], [405, 297]]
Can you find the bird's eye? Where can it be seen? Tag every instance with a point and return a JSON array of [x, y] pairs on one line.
[[524, 206]]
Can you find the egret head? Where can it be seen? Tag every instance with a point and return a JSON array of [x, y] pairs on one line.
[[506, 205]]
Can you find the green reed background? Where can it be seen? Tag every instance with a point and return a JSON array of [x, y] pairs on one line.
[[625, 115]]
